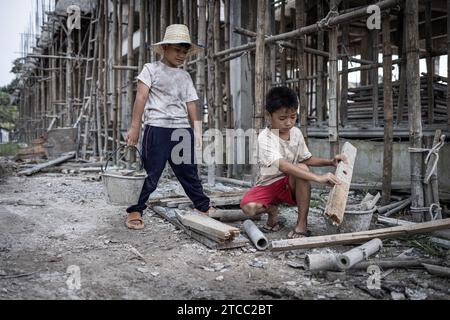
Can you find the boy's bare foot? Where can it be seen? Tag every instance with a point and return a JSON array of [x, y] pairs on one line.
[[134, 221]]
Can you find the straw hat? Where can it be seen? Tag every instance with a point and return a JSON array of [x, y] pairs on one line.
[[175, 34]]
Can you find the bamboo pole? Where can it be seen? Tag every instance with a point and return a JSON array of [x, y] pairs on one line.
[[448, 68], [283, 53], [99, 101], [229, 98], [142, 12], [347, 17], [402, 67], [374, 76], [415, 116], [211, 81], [106, 75], [259, 66], [69, 68], [388, 109], [130, 58], [320, 107], [116, 44], [200, 75], [300, 19], [332, 94], [210, 61], [119, 73], [429, 61], [218, 93], [344, 79], [163, 17]]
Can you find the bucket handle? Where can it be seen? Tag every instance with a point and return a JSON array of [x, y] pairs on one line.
[[111, 154]]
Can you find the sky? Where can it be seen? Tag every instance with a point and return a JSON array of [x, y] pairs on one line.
[[14, 21]]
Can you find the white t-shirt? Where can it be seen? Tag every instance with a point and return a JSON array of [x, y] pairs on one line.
[[271, 149], [170, 90]]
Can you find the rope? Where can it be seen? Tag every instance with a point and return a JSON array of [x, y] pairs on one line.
[[433, 151], [324, 23], [433, 210]]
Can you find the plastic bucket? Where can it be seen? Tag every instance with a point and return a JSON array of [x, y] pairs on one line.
[[120, 187]]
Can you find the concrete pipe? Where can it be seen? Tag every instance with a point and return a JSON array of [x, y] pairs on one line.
[[255, 235], [350, 258], [321, 262]]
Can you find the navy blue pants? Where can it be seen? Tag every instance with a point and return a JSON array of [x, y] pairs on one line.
[[156, 151]]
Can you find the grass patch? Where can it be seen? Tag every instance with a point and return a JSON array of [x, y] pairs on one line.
[[9, 149]]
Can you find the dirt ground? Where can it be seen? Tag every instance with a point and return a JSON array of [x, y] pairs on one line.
[[56, 225]]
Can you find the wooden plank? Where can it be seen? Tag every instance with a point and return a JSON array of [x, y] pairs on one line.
[[337, 199], [358, 237], [170, 216], [207, 225], [39, 167], [219, 201], [397, 222]]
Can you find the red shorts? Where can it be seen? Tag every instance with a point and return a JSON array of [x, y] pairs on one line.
[[278, 192]]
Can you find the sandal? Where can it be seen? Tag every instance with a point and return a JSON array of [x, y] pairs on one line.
[[134, 221], [275, 228], [207, 213], [297, 235]]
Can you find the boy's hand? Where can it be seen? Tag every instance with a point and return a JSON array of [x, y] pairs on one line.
[[198, 142], [337, 158], [133, 136], [329, 179]]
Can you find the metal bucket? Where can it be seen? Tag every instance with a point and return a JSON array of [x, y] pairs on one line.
[[354, 221], [120, 187]]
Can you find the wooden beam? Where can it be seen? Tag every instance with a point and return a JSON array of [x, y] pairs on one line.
[[171, 217], [392, 222], [358, 237], [337, 199], [207, 225]]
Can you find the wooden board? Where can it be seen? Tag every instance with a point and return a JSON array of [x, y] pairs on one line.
[[397, 222], [206, 224], [358, 237], [337, 199], [216, 201], [170, 216], [174, 200]]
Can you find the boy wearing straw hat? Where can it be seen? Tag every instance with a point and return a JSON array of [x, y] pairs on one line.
[[167, 98]]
